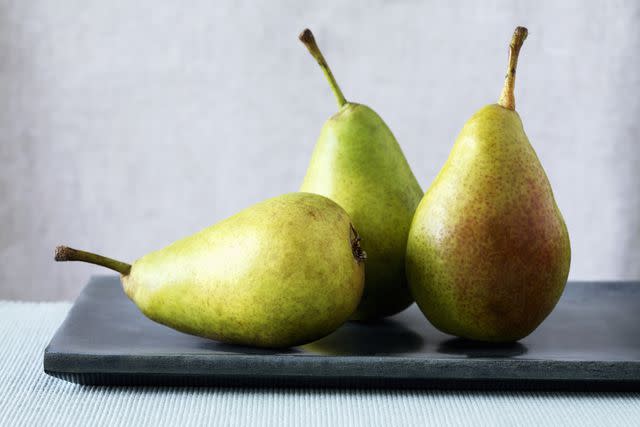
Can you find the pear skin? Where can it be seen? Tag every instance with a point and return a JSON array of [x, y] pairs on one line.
[[281, 273], [488, 253], [358, 163]]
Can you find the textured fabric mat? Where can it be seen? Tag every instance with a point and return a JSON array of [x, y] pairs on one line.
[[30, 397]]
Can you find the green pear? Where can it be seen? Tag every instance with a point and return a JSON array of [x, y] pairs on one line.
[[284, 272], [358, 163], [488, 252]]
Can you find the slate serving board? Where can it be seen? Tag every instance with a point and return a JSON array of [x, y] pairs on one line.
[[591, 341]]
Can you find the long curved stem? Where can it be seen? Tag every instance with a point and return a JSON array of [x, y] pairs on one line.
[[507, 98], [309, 41], [65, 253]]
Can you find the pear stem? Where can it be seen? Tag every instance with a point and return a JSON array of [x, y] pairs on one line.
[[507, 99], [306, 37], [65, 253]]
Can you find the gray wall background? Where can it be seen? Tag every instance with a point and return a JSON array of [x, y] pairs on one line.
[[126, 125]]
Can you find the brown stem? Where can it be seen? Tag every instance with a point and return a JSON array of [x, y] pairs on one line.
[[306, 37], [65, 253], [507, 98]]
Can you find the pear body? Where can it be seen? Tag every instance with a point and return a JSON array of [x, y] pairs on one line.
[[278, 274], [488, 252], [358, 163]]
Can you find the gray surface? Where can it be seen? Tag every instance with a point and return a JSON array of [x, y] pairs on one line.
[[592, 336], [126, 125], [30, 397]]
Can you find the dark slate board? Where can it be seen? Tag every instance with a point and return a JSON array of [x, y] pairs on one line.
[[591, 341]]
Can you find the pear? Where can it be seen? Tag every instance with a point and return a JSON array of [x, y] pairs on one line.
[[488, 252], [284, 272], [358, 163]]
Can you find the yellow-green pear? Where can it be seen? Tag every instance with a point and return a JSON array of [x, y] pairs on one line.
[[284, 272], [488, 252], [358, 163]]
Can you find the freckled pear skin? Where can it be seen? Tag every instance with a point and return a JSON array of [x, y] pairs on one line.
[[358, 163], [488, 253], [283, 272]]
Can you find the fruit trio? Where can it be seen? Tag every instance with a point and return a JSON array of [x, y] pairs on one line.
[[485, 252]]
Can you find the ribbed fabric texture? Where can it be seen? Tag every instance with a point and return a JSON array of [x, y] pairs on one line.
[[29, 397]]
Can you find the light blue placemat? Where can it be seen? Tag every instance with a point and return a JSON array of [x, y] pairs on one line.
[[29, 397]]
